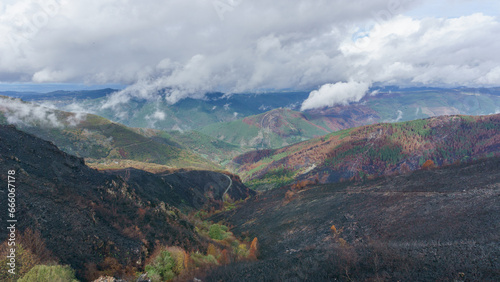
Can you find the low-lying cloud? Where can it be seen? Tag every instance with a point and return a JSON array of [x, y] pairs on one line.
[[340, 93], [428, 52], [18, 112], [178, 49]]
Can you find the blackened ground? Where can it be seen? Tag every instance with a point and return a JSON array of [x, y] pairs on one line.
[[186, 190], [85, 215], [435, 225]]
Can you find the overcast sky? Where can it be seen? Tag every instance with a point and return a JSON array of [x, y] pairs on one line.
[[189, 47]]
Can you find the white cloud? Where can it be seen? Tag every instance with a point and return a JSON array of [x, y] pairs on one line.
[[432, 52], [340, 93], [23, 113], [159, 115], [153, 118], [458, 51], [398, 118], [182, 48]]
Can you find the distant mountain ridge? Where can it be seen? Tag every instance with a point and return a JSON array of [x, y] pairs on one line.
[[221, 126], [383, 104]]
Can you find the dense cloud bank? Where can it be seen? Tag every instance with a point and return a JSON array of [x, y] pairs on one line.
[[177, 49]]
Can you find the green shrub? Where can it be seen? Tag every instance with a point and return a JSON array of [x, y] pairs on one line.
[[55, 273], [25, 261], [161, 268], [217, 232], [200, 259]]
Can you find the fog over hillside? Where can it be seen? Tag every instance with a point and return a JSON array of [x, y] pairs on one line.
[[184, 49], [249, 140]]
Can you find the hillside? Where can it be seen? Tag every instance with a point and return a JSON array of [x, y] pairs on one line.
[[281, 127], [374, 150], [267, 120], [104, 222], [273, 129], [208, 147], [189, 114], [427, 225], [385, 104], [97, 139], [388, 105]]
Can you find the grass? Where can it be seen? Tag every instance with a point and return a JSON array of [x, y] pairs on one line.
[[55, 273]]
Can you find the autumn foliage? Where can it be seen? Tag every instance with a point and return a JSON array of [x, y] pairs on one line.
[[254, 249], [429, 164], [333, 229]]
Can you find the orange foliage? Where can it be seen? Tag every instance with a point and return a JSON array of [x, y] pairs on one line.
[[33, 241], [133, 232], [428, 164], [110, 267], [141, 213], [334, 229], [303, 183], [254, 252], [187, 260]]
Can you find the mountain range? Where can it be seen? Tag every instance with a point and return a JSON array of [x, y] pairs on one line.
[[399, 186]]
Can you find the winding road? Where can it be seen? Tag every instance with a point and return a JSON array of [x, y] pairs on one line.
[[228, 187]]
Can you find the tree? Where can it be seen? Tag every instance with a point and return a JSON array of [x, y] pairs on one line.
[[429, 164], [56, 273], [215, 232], [254, 252], [25, 260], [161, 268]]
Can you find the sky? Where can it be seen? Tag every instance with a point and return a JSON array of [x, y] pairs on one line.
[[174, 49]]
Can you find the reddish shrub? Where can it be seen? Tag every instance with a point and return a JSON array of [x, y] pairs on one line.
[[254, 251], [429, 164]]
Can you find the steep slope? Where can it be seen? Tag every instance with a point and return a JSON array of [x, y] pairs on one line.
[[428, 225], [86, 216], [380, 149], [94, 137]]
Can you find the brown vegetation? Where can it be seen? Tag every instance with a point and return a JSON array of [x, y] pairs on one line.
[[429, 164]]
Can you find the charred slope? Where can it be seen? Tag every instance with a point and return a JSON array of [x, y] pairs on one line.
[[186, 190], [431, 225], [85, 216]]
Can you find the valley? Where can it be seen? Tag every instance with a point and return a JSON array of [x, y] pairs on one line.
[[230, 140], [325, 194], [109, 223]]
